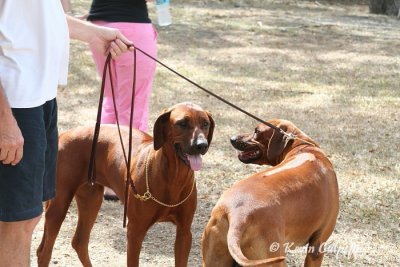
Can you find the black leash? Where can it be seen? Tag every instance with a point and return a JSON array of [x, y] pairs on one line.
[[211, 93]]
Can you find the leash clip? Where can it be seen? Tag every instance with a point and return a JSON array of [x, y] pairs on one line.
[[290, 136]]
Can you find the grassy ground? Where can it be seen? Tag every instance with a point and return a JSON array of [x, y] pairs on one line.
[[332, 69]]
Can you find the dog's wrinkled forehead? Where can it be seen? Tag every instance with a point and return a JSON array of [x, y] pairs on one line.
[[281, 124], [265, 129], [186, 109]]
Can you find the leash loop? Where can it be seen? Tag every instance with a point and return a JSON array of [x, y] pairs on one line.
[[92, 160]]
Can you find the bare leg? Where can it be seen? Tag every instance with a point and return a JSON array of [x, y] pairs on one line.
[[15, 244]]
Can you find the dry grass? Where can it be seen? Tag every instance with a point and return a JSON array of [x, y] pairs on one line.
[[332, 69]]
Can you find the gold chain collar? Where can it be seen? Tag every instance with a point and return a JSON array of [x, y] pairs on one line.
[[147, 195]]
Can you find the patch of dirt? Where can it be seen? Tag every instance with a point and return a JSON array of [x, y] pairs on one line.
[[331, 68]]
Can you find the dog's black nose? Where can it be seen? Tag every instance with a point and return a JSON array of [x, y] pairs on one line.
[[201, 146]]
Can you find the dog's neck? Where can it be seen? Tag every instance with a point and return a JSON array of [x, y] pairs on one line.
[[301, 147], [303, 143], [174, 169]]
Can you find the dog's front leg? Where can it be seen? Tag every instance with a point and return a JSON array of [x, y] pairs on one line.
[[183, 244], [183, 221], [135, 235]]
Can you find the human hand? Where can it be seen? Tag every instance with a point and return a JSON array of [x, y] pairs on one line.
[[109, 40], [11, 141]]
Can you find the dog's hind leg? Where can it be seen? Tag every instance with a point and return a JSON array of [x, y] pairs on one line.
[[316, 249], [214, 246], [55, 212], [88, 200], [259, 243], [314, 255]]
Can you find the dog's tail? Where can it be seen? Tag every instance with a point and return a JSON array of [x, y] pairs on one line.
[[237, 253]]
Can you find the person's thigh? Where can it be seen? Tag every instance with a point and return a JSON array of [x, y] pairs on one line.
[[24, 186]]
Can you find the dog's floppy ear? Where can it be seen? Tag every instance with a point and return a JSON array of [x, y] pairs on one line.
[[211, 129], [277, 143], [160, 129]]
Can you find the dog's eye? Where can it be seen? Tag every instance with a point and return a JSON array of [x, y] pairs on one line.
[[256, 131], [182, 123], [205, 124]]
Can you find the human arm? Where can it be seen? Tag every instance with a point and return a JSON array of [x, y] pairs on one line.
[[102, 38], [11, 139]]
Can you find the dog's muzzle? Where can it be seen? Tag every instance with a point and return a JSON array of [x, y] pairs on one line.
[[192, 156], [247, 153], [200, 145]]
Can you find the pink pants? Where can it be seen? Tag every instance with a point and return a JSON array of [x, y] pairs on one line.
[[143, 36]]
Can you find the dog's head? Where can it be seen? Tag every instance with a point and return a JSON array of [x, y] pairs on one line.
[[188, 129], [266, 146]]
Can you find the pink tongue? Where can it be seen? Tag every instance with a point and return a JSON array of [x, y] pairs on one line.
[[195, 162]]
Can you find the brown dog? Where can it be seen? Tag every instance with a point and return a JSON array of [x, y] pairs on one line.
[[181, 135], [294, 203]]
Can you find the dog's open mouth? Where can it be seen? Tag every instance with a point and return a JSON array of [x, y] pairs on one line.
[[249, 156], [193, 161]]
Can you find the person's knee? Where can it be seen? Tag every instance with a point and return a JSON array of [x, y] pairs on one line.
[[31, 224], [21, 227]]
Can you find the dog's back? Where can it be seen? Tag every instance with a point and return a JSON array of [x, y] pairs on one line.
[[291, 204], [75, 147], [303, 187]]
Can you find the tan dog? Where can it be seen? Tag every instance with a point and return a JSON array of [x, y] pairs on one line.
[[292, 204], [181, 135]]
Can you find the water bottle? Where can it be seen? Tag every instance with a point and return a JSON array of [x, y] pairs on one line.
[[163, 13]]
